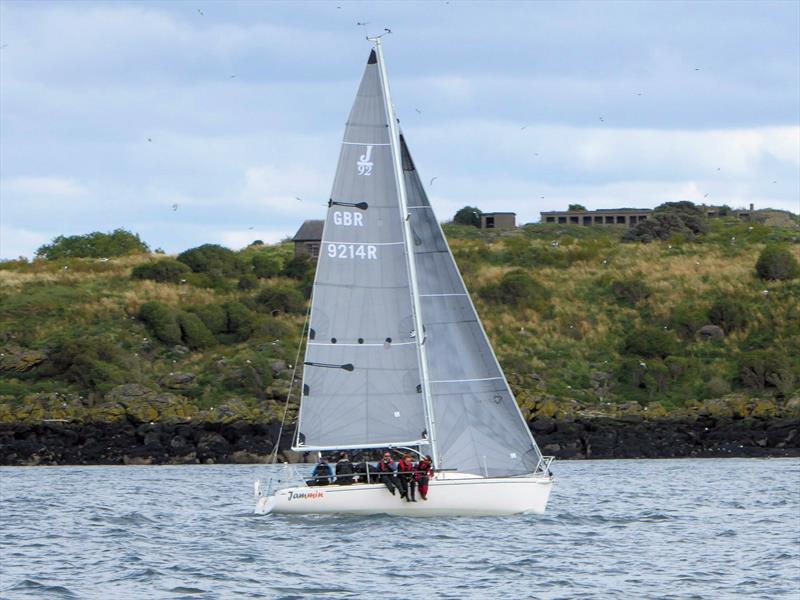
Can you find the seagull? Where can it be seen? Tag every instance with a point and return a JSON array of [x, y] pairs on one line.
[[174, 207], [602, 119], [541, 197], [232, 76], [776, 181], [719, 169], [706, 196], [250, 228], [360, 24], [696, 69], [418, 111], [298, 198], [387, 30], [523, 128], [149, 139], [200, 12], [536, 154], [432, 180], [642, 364]]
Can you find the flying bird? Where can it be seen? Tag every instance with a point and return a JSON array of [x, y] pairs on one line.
[[418, 111], [432, 180], [250, 228], [360, 24], [523, 128], [232, 76], [298, 198], [174, 207], [149, 139], [387, 30], [200, 12], [602, 119], [706, 196]]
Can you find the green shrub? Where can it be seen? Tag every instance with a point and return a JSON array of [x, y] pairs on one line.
[[90, 362], [212, 259], [272, 328], [728, 313], [194, 333], [266, 265], [762, 369], [162, 321], [247, 282], [166, 270], [213, 316], [630, 291], [517, 288], [241, 321], [776, 263], [469, 215], [119, 242], [650, 342], [281, 298], [686, 319], [298, 267]]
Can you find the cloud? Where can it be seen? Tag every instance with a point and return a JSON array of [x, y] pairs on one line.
[[43, 186], [15, 242]]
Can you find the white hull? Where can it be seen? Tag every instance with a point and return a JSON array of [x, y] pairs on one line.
[[449, 495]]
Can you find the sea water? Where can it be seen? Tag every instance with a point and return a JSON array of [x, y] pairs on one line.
[[714, 528]]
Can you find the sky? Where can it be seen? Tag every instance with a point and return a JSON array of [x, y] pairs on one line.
[[220, 122]]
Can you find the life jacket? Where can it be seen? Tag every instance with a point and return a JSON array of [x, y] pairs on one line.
[[344, 467], [386, 467], [405, 466], [423, 469], [322, 473]]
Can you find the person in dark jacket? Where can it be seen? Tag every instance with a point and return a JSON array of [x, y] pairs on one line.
[[405, 470], [344, 470], [322, 473], [423, 473], [387, 469]]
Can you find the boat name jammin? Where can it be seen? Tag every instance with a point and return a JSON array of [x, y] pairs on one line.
[[306, 495]]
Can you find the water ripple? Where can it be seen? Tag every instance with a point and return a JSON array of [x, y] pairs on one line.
[[701, 529]]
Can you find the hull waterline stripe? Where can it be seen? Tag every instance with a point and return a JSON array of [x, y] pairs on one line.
[[465, 380]]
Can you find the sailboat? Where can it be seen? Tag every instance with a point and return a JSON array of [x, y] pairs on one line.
[[396, 356]]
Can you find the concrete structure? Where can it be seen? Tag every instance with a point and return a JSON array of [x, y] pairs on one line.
[[498, 220], [308, 237], [604, 216]]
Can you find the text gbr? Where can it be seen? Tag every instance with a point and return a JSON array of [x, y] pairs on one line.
[[351, 251]]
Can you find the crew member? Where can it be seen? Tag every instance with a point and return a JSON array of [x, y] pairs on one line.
[[344, 470], [322, 473], [388, 469], [423, 473], [406, 475]]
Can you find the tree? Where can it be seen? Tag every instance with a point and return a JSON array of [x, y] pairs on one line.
[[212, 259], [469, 215], [776, 263], [266, 265], [577, 207], [298, 266], [162, 321], [669, 219], [119, 242]]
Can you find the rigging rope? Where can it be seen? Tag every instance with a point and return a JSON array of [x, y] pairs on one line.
[[291, 385]]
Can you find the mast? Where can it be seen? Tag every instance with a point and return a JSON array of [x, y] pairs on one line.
[[408, 238]]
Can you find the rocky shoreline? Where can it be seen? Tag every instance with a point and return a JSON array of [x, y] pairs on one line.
[[130, 442]]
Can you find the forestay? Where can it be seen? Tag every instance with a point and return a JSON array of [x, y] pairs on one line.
[[479, 428], [361, 382]]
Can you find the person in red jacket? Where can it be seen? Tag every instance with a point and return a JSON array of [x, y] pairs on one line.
[[405, 472], [423, 473]]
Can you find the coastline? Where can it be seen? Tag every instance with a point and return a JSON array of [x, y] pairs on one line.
[[129, 442]]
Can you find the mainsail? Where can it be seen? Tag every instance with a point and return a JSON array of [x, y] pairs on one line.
[[479, 428], [371, 379], [362, 382]]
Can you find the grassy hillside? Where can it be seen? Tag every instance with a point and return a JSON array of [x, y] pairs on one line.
[[581, 321]]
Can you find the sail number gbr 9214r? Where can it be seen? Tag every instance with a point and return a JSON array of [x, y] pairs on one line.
[[353, 251]]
